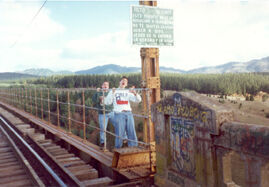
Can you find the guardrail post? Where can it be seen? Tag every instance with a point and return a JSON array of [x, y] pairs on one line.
[[83, 111], [26, 101], [104, 122], [58, 109], [41, 101], [14, 96], [35, 104], [69, 113], [30, 95], [19, 97], [48, 106], [22, 99]]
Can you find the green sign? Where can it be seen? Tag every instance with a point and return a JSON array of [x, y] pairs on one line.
[[152, 26]]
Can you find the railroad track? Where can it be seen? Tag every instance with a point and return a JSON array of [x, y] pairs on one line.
[[67, 167], [14, 168]]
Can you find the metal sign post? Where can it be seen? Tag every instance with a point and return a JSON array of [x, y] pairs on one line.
[[151, 27]]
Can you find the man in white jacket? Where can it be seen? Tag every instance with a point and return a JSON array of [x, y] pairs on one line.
[[123, 117]]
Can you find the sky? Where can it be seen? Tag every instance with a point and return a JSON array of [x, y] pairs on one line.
[[79, 35]]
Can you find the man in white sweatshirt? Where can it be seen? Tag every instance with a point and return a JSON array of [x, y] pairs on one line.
[[123, 117]]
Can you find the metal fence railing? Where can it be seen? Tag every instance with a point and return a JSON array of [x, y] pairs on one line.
[[73, 111]]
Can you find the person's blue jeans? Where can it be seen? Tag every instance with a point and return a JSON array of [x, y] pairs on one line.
[[103, 125], [124, 123]]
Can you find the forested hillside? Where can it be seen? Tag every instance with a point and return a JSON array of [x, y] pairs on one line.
[[226, 84]]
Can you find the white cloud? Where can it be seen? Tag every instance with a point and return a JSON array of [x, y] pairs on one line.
[[107, 48], [213, 33], [15, 28], [206, 34]]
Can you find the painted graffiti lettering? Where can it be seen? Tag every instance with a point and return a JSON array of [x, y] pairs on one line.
[[189, 112], [182, 133]]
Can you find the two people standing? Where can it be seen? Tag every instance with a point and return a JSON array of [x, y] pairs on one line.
[[123, 117], [118, 109]]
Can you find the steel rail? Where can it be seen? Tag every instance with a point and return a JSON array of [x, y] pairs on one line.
[[29, 152]]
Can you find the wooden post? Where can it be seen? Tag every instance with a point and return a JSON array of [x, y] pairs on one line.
[[84, 119], [58, 109], [69, 113], [36, 112], [48, 106], [41, 101]]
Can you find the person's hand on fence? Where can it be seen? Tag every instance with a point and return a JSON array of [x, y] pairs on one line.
[[98, 89], [132, 90]]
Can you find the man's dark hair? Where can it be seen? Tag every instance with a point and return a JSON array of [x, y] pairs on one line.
[[124, 77]]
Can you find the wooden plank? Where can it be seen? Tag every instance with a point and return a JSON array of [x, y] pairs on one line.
[[13, 178], [11, 159], [74, 163], [3, 145], [9, 164], [58, 152], [10, 168], [6, 155], [23, 182], [14, 173], [77, 168], [104, 181], [67, 160], [65, 156], [23, 126], [38, 136], [44, 141], [86, 174], [54, 148], [5, 149], [124, 158]]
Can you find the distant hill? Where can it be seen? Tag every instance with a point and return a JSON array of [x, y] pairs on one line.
[[45, 72], [257, 65], [109, 69], [116, 69], [14, 76]]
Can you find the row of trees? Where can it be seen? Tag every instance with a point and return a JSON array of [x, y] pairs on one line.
[[225, 84]]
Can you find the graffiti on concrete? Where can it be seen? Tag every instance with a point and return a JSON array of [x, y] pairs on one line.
[[182, 134], [189, 111], [176, 179]]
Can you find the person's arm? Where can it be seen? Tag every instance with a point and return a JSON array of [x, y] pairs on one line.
[[108, 100], [135, 97]]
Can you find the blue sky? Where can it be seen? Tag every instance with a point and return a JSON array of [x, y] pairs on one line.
[[76, 35]]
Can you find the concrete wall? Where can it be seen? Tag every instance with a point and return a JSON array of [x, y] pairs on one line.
[[198, 144]]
